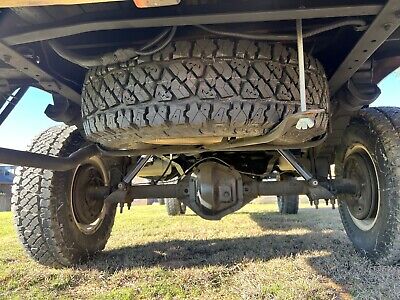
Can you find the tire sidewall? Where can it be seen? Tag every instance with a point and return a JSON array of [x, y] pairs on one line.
[[84, 244], [80, 246], [373, 242]]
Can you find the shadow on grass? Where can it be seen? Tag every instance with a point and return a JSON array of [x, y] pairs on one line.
[[308, 218], [224, 252], [324, 243], [318, 237], [198, 253]]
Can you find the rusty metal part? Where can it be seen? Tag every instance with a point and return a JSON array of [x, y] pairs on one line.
[[30, 69]]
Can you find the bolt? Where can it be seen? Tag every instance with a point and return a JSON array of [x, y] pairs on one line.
[[314, 182], [387, 26], [227, 194]]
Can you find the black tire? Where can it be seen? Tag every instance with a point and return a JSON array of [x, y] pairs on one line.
[[200, 88], [369, 153], [43, 208], [174, 207], [288, 205]]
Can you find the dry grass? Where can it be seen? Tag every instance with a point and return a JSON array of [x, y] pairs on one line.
[[254, 254]]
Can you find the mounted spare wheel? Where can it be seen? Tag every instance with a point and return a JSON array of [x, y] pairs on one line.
[[199, 92]]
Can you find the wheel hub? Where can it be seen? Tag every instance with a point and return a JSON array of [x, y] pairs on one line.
[[88, 210], [363, 207]]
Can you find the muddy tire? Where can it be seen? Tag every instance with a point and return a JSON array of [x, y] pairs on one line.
[[56, 224], [369, 154], [174, 207], [202, 88]]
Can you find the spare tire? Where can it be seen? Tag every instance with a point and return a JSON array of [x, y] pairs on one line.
[[202, 89]]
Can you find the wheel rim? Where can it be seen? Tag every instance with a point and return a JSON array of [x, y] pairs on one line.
[[363, 207], [87, 211]]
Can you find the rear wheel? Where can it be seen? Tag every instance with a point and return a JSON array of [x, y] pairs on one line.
[[369, 155], [174, 207], [58, 221], [288, 205]]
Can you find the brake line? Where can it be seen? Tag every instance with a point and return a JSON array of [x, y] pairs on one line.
[[359, 25], [118, 56]]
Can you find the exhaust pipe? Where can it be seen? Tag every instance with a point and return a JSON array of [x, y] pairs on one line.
[[42, 161]]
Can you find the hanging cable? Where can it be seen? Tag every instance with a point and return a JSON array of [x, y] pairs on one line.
[[160, 47], [118, 56], [359, 24], [167, 35]]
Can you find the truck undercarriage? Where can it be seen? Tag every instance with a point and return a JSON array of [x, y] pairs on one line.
[[215, 104]]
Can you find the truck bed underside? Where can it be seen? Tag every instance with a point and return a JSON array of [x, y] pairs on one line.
[[27, 59]]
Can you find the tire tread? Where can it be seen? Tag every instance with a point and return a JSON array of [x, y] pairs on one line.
[[198, 84]]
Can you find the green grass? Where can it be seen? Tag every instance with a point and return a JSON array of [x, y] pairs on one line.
[[253, 254]]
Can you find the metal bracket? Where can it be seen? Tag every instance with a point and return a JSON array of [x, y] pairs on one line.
[[30, 69], [30, 34], [305, 122], [140, 164], [298, 167], [315, 189], [122, 195], [387, 21], [12, 103]]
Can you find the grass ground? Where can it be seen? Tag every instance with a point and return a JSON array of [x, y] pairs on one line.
[[254, 254]]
